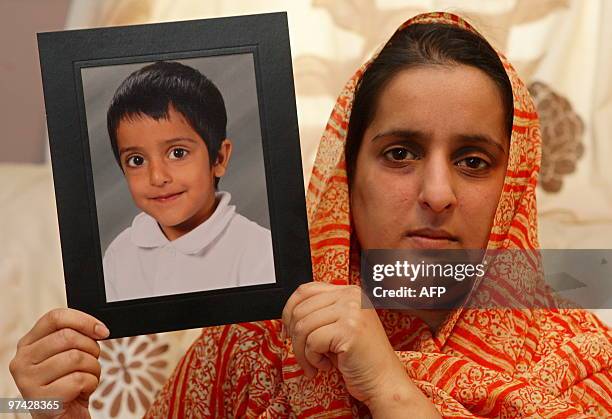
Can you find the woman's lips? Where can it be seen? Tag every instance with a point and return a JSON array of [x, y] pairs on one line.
[[427, 238], [424, 242], [167, 197]]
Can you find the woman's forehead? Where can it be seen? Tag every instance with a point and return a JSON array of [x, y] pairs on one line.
[[452, 101]]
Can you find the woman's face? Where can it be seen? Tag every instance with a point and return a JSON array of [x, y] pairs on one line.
[[431, 165]]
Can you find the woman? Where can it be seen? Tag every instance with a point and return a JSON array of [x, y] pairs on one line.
[[441, 152]]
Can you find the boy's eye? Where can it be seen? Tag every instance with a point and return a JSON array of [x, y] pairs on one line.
[[399, 154], [473, 163], [135, 161], [178, 153]]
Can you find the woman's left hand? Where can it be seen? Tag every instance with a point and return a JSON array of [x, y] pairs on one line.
[[329, 328]]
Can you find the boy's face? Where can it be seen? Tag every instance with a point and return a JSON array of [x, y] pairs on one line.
[[168, 171]]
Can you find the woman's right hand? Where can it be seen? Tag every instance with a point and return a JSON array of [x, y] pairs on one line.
[[58, 359]]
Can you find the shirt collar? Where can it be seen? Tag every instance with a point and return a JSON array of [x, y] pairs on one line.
[[147, 233]]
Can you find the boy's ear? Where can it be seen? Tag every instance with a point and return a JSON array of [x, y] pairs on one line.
[[223, 157]]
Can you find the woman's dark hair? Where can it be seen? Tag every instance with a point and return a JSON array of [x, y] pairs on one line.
[[421, 45], [151, 90]]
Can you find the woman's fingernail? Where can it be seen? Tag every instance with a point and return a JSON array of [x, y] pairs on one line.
[[283, 332], [101, 331]]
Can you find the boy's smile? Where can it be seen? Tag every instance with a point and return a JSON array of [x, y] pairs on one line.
[[167, 197], [167, 167]]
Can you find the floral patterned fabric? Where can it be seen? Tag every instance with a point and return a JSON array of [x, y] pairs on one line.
[[479, 363], [562, 131], [133, 368]]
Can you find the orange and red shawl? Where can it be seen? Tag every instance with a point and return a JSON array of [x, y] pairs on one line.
[[480, 363]]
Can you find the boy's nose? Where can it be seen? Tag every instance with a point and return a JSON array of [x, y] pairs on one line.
[[158, 174]]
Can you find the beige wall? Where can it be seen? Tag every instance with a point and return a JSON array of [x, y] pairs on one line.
[[22, 122]]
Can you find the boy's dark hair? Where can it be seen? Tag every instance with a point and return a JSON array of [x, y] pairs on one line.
[[421, 45], [152, 89]]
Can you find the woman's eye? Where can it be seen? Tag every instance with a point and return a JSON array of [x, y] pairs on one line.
[[398, 154], [135, 161], [178, 153], [474, 163]]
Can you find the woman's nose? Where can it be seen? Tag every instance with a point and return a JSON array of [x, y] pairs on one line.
[[159, 174], [437, 192]]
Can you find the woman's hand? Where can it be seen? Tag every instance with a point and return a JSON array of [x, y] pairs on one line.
[[329, 328], [58, 358]]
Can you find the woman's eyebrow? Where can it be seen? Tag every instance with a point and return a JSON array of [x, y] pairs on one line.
[[406, 134], [481, 139]]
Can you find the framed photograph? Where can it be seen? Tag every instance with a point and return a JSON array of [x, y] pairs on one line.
[[177, 171]]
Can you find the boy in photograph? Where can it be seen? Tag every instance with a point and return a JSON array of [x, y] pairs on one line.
[[167, 128]]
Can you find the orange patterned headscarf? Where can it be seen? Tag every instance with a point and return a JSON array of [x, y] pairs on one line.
[[515, 222], [479, 363]]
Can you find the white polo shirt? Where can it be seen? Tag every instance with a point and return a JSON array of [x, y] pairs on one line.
[[227, 250]]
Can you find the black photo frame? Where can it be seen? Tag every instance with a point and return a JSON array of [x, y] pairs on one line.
[[65, 56]]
